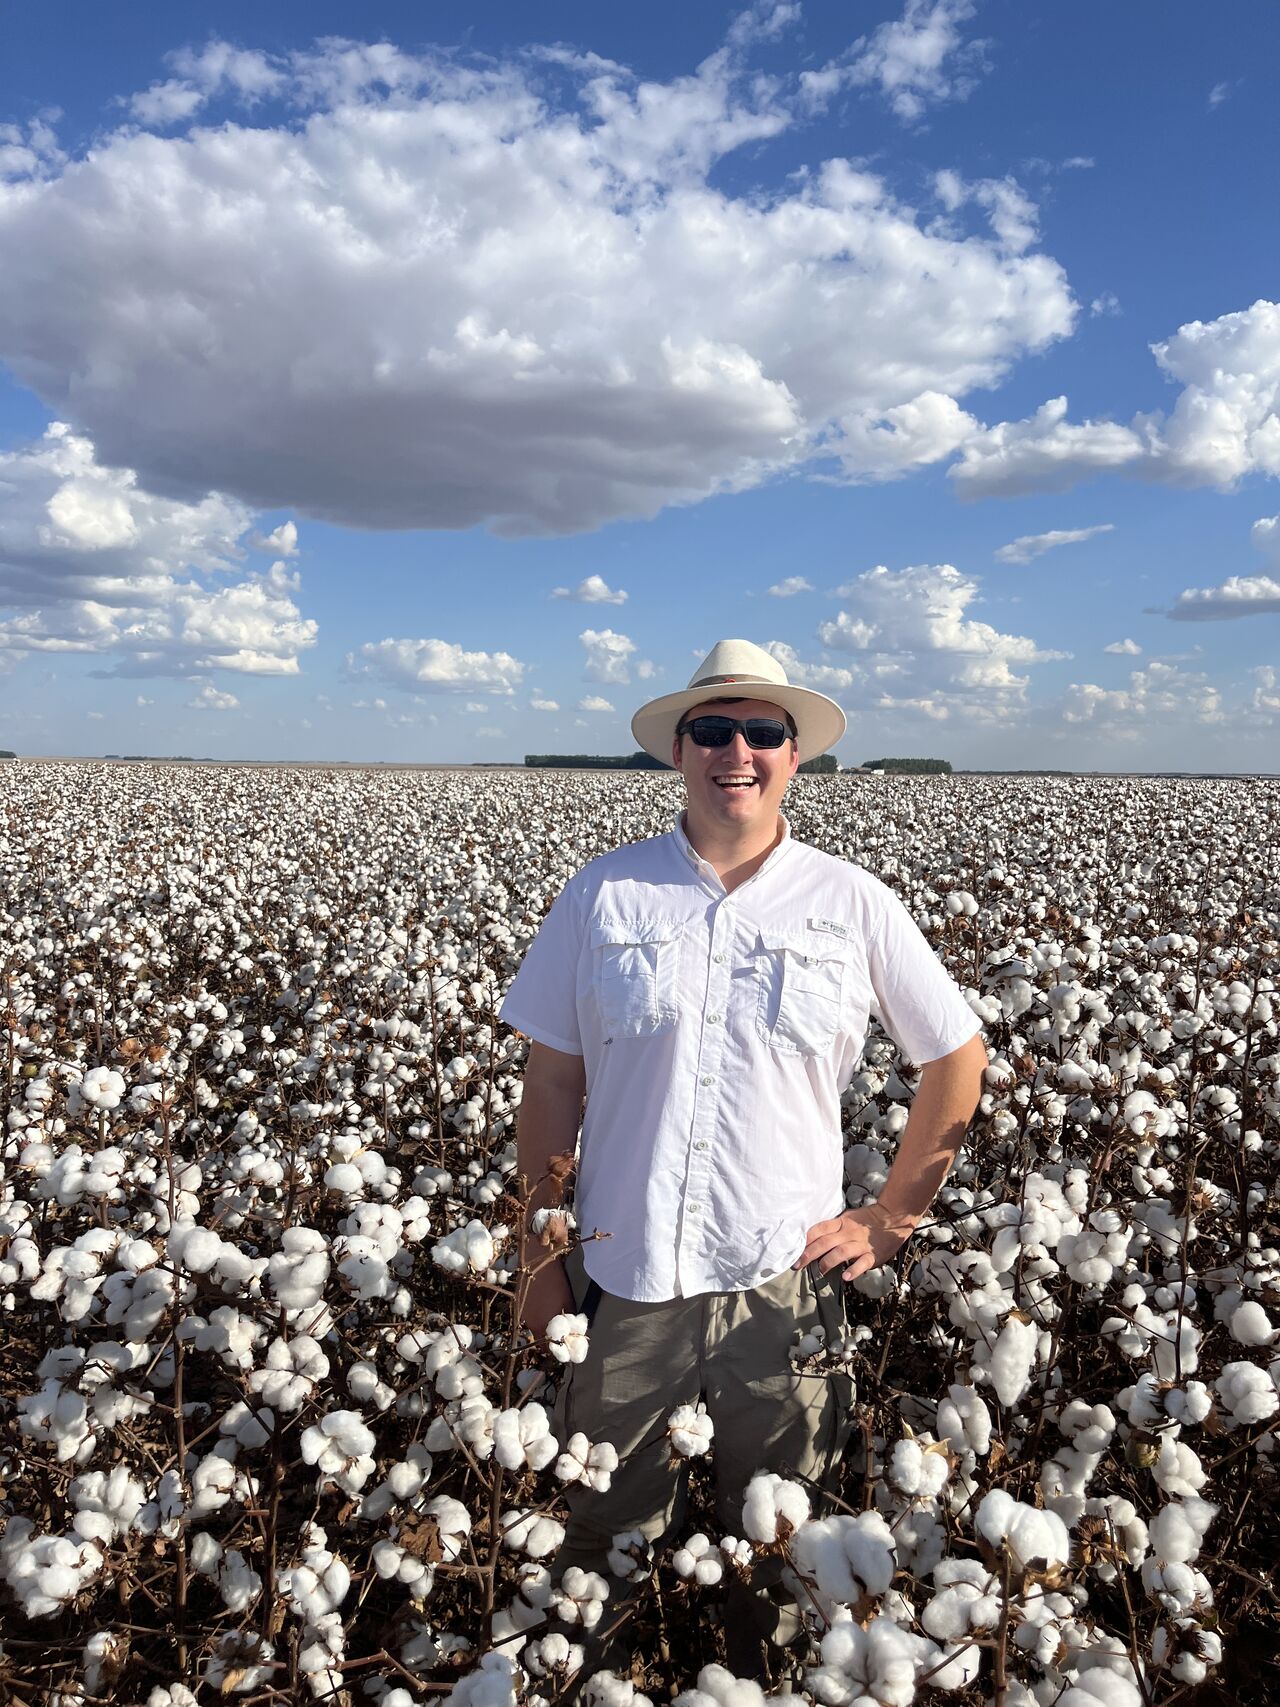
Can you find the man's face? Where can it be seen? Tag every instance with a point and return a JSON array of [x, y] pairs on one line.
[[737, 784]]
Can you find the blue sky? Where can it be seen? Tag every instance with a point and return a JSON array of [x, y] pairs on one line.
[[935, 345]]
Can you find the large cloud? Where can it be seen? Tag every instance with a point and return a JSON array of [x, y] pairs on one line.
[[91, 563], [915, 61], [1224, 425], [436, 666], [920, 649], [1162, 692], [405, 291], [1238, 595]]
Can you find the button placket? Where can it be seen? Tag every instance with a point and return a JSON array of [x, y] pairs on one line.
[[711, 1048]]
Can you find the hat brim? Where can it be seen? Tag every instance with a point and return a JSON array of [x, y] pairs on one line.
[[819, 721]]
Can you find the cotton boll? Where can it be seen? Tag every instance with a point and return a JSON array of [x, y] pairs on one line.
[[690, 1431], [1177, 1469], [918, 1469], [592, 1466], [453, 1521], [340, 1446], [877, 1664], [1250, 1325], [523, 1437], [631, 1556], [1246, 1393], [847, 1558], [699, 1560], [1011, 1360], [1032, 1539], [1188, 1651], [718, 1687], [1179, 1528], [103, 1659], [532, 1533], [579, 1597], [554, 1657], [567, 1338], [964, 1422], [606, 1689], [241, 1662], [773, 1508]]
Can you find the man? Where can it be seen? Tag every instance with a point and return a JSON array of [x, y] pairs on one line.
[[709, 992]]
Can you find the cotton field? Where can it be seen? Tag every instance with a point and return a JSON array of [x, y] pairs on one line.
[[265, 1431]]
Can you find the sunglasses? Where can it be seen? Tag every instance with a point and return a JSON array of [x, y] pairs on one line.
[[719, 731]]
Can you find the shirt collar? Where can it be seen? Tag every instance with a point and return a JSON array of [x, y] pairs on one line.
[[690, 855]]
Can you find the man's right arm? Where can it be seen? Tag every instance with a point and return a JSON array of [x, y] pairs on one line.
[[550, 1111]]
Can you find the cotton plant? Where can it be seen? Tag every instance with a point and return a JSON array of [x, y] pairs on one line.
[[297, 1200]]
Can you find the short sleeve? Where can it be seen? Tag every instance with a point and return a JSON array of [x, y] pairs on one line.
[[921, 1005], [542, 1000]]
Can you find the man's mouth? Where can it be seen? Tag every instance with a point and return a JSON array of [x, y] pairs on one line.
[[735, 782]]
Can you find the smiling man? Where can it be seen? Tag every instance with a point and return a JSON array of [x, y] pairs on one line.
[[708, 993]]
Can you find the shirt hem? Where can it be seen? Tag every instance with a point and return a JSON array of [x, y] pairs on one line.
[[952, 1047], [540, 1034]]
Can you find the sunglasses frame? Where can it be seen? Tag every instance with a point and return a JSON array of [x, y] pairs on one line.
[[737, 724]]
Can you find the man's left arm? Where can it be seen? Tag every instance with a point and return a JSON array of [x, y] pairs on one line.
[[863, 1239]]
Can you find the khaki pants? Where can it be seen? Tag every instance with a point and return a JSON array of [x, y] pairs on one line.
[[731, 1350]]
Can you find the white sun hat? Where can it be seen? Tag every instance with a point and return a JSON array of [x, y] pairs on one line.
[[738, 669]]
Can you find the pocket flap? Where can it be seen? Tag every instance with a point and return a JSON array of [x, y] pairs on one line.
[[613, 930], [808, 946]]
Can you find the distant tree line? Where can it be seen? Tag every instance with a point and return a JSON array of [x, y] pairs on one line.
[[593, 762], [926, 767], [6, 754], [825, 764]]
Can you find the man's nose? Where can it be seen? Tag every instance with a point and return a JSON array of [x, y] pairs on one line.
[[740, 748]]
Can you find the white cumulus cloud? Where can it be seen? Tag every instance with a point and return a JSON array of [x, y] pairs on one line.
[[608, 655], [922, 648], [826, 678], [1029, 546], [1161, 691], [210, 699], [1224, 425], [1123, 648], [593, 702], [1238, 595], [436, 666], [915, 61], [595, 590], [311, 304], [789, 587], [92, 563]]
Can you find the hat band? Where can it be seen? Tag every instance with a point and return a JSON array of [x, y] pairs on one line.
[[719, 681]]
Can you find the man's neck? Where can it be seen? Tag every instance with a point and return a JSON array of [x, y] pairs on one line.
[[733, 859]]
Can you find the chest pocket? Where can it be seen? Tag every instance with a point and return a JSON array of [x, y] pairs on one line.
[[635, 977], [801, 994]]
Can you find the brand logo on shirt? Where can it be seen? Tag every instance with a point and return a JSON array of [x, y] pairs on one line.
[[829, 925]]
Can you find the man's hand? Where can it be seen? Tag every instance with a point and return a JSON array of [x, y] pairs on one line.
[[548, 1294], [861, 1239]]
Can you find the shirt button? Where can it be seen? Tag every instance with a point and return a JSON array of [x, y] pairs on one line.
[[694, 1208], [719, 959], [699, 1143], [713, 1019], [708, 1079]]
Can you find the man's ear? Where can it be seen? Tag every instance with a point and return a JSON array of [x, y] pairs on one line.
[[675, 750], [795, 759]]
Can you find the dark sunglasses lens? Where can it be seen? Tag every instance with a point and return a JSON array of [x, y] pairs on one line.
[[764, 732], [712, 731], [718, 731]]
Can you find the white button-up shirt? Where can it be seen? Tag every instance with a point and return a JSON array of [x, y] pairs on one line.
[[718, 1029]]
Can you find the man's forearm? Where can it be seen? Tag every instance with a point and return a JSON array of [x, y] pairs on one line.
[[940, 1113], [547, 1127]]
